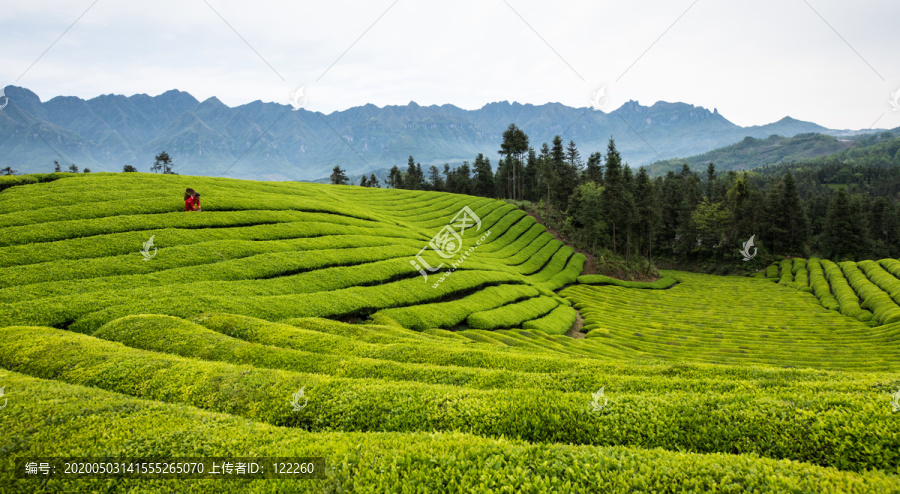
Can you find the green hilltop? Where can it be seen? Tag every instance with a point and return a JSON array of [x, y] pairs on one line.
[[753, 153], [514, 372]]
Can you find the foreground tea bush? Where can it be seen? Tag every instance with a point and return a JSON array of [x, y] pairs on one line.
[[120, 426], [779, 425]]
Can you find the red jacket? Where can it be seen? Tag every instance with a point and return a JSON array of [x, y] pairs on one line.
[[189, 204]]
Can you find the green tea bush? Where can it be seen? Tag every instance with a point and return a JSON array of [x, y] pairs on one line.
[[533, 247], [569, 275], [450, 314], [512, 315], [433, 462], [814, 432], [535, 263], [881, 278], [599, 279], [846, 297], [786, 275], [875, 299], [801, 275], [728, 384], [558, 321], [820, 286], [175, 336], [729, 320], [556, 264]]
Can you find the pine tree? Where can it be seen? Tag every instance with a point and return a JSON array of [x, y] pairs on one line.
[[338, 177], [614, 193], [373, 181], [57, 168], [647, 211], [883, 221], [363, 182], [434, 177], [594, 171], [573, 158], [411, 181], [530, 175], [628, 213], [547, 174], [774, 224], [420, 177], [710, 182], [839, 228], [691, 195], [562, 189], [514, 145], [484, 177], [793, 217], [463, 179], [395, 178]]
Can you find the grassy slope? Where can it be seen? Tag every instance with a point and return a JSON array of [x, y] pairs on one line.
[[258, 249], [731, 320], [136, 368]]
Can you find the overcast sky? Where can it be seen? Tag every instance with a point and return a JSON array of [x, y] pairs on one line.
[[831, 62]]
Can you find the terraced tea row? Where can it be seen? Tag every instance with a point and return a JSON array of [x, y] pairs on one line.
[[731, 320], [459, 382], [272, 251], [785, 422], [437, 462], [867, 290]]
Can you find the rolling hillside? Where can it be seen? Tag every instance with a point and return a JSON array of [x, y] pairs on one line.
[[195, 345], [276, 246], [752, 153]]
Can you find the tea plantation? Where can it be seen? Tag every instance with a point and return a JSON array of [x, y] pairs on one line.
[[462, 382]]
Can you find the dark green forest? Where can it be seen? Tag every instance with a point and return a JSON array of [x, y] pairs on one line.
[[841, 206]]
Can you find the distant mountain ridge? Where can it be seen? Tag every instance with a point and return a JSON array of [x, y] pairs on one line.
[[752, 153], [269, 141]]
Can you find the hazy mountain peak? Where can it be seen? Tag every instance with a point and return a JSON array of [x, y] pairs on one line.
[[263, 143]]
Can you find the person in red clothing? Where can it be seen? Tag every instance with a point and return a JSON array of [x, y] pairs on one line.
[[190, 204], [197, 201]]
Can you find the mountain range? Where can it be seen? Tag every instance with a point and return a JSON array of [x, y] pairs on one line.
[[271, 141]]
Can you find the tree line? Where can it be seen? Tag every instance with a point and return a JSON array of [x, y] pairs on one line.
[[602, 205]]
